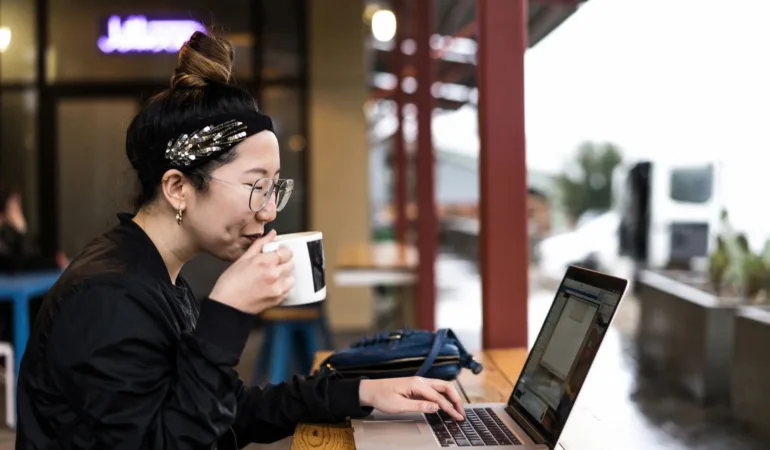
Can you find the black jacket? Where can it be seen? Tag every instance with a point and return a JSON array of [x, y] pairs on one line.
[[120, 358]]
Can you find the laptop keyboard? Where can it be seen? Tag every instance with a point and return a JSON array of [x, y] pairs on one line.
[[480, 428]]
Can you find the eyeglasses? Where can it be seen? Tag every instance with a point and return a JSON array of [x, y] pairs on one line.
[[263, 189]]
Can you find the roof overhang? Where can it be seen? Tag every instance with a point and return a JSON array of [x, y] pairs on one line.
[[456, 72]]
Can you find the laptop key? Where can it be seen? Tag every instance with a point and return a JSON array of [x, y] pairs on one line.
[[511, 436], [481, 428], [501, 438]]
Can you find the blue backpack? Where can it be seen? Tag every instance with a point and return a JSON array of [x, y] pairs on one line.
[[403, 353]]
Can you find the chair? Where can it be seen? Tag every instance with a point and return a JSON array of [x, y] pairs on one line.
[[6, 351], [290, 336]]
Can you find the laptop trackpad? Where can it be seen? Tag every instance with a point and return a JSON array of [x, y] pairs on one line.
[[391, 428]]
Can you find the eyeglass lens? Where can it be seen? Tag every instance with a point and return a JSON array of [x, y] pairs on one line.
[[259, 193]]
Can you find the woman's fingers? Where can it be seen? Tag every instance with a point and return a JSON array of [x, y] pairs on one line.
[[448, 389], [427, 391]]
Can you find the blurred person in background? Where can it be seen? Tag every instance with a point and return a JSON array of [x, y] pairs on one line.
[[19, 254], [122, 355], [18, 251], [538, 218]]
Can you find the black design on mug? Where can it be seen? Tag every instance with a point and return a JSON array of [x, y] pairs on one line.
[[315, 250]]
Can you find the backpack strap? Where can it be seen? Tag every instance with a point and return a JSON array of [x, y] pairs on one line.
[[438, 342], [465, 357]]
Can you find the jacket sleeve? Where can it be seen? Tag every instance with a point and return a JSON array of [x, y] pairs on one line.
[[133, 383], [271, 413]]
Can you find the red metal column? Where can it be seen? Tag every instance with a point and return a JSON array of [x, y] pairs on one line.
[[399, 148], [427, 226], [504, 259]]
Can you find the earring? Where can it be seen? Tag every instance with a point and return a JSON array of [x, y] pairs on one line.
[[179, 214]]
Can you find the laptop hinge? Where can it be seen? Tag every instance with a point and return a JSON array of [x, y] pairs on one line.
[[531, 431]]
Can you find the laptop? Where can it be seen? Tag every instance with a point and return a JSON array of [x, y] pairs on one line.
[[544, 395]]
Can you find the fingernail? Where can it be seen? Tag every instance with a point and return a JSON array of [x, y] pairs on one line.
[[433, 407]]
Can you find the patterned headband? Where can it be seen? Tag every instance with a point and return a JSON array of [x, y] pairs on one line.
[[212, 136]]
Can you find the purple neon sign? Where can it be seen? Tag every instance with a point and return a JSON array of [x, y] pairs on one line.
[[137, 34]]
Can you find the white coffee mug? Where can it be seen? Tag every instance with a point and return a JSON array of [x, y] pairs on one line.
[[309, 266]]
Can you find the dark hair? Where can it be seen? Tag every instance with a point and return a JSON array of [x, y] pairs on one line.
[[537, 193], [200, 88]]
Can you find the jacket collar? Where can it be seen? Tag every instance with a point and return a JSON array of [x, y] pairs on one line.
[[136, 245]]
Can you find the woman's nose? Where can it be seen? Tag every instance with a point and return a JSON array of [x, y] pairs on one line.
[[268, 212]]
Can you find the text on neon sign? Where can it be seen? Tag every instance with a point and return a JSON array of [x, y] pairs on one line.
[[137, 34]]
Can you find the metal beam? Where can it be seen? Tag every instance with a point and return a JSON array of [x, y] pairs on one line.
[[427, 222], [48, 160], [503, 252]]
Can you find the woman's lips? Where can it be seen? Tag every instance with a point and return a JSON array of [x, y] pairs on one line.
[[252, 237]]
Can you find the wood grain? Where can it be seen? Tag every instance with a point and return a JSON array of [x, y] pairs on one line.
[[327, 437], [493, 384], [378, 255], [509, 361], [490, 386], [291, 313], [323, 436]]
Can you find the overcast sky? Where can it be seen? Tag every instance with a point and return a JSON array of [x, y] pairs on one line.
[[657, 77], [663, 79]]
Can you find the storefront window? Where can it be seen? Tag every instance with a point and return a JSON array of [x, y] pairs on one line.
[[283, 104], [95, 178], [102, 59], [137, 40], [282, 35], [17, 41], [18, 147]]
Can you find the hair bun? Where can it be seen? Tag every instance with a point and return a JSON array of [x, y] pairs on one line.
[[202, 59]]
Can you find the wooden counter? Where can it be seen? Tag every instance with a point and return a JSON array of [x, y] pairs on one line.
[[493, 384]]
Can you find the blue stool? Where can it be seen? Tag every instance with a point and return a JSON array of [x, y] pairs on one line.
[[20, 289], [290, 336]]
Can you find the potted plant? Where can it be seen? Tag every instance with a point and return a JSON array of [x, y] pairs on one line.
[[687, 320]]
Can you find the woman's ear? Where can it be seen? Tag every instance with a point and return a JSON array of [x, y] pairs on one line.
[[173, 186]]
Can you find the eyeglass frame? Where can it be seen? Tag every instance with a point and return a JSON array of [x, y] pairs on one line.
[[271, 190]]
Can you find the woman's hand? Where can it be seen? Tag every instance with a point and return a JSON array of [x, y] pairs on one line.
[[61, 260], [256, 281], [415, 394]]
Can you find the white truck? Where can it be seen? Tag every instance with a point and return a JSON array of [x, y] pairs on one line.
[[664, 214]]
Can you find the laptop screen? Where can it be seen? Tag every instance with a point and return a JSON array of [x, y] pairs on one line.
[[564, 350]]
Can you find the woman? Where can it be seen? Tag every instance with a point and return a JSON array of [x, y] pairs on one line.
[[122, 356]]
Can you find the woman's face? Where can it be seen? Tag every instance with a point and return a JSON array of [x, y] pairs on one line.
[[220, 219]]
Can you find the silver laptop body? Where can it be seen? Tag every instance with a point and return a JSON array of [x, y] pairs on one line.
[[544, 395]]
